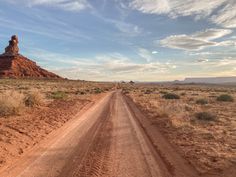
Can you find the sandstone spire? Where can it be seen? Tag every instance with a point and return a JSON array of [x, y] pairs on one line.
[[12, 49], [14, 65]]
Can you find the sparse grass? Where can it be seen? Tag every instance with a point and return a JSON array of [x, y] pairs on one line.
[[205, 116], [58, 95], [11, 103], [98, 90], [171, 96], [187, 123], [163, 92], [225, 98], [201, 101], [34, 98]]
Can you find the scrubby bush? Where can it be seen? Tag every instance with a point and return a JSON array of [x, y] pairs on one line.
[[148, 91], [125, 91], [97, 90], [225, 98], [34, 99], [205, 116], [11, 103], [58, 95], [80, 92], [201, 101], [171, 96]]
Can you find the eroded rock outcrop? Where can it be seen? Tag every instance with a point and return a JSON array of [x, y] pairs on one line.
[[14, 65], [12, 49]]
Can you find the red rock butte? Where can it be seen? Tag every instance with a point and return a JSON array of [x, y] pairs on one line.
[[14, 65]]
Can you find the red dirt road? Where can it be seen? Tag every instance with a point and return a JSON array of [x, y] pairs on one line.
[[107, 140]]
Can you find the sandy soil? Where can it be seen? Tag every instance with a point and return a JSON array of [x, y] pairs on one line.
[[208, 145], [112, 138], [109, 139], [20, 133]]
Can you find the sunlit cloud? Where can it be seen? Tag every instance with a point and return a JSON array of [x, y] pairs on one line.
[[198, 40], [224, 16]]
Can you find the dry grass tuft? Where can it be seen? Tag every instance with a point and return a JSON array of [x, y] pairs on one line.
[[11, 103], [34, 98], [201, 101]]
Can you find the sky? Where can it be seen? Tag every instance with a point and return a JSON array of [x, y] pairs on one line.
[[114, 40]]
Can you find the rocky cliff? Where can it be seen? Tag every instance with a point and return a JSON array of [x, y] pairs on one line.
[[14, 65]]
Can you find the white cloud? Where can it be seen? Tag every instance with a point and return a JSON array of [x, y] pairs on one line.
[[222, 12], [67, 5], [226, 16], [127, 28], [200, 53], [150, 6], [185, 42], [103, 67], [197, 41], [145, 54], [154, 52], [202, 60], [211, 34]]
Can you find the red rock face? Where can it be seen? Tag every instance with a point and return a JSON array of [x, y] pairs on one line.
[[19, 66], [14, 65]]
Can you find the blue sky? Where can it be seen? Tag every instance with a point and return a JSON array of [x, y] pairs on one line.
[[113, 40]]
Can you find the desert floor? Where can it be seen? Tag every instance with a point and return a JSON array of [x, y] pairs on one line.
[[78, 128]]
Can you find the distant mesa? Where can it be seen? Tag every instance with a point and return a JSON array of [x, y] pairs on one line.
[[211, 80], [14, 65]]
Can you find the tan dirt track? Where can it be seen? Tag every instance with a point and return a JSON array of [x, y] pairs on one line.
[[108, 140]]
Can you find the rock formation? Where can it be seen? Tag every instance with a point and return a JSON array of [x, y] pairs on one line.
[[12, 48], [14, 65]]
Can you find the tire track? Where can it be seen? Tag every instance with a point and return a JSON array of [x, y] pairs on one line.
[[92, 157]]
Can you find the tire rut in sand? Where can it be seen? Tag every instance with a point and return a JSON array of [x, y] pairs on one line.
[[91, 155], [97, 161]]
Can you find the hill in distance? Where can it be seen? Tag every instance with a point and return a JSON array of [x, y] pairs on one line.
[[14, 65], [211, 80]]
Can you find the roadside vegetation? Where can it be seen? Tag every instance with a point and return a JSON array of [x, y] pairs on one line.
[[225, 98], [171, 96], [31, 109], [191, 115], [17, 95], [11, 103]]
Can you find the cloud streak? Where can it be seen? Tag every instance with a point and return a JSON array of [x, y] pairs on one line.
[[197, 41], [221, 12], [67, 5]]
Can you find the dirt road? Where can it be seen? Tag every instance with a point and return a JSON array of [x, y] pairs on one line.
[[106, 140]]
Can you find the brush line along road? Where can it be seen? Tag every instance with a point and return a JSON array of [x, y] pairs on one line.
[[106, 140]]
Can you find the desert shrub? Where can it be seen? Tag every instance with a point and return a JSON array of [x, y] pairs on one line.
[[171, 96], [80, 92], [97, 90], [11, 103], [125, 91], [34, 99], [225, 98], [205, 116], [58, 95], [148, 91], [201, 101]]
